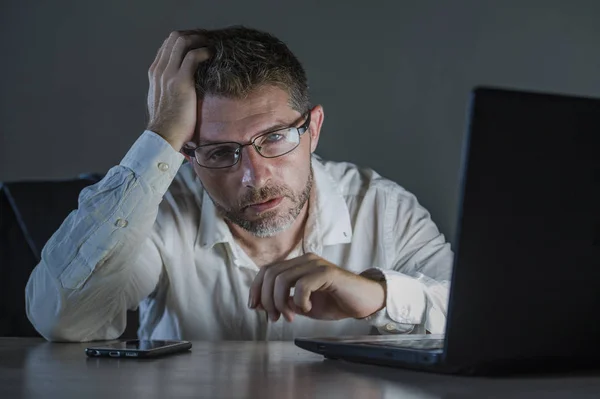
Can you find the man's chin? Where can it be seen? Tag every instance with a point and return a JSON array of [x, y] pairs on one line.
[[269, 230], [271, 214], [267, 224]]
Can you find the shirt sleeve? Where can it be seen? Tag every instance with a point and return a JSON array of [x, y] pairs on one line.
[[418, 274], [103, 259]]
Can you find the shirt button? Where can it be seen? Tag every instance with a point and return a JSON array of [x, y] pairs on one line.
[[163, 167], [390, 327], [121, 223]]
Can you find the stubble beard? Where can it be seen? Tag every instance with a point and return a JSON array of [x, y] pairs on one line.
[[271, 222]]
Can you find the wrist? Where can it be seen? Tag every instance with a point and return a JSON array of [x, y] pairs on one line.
[[378, 292], [383, 295], [176, 144], [374, 297]]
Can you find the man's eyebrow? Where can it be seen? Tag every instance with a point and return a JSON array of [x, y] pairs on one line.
[[278, 125]]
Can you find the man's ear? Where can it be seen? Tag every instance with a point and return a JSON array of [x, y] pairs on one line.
[[317, 115]]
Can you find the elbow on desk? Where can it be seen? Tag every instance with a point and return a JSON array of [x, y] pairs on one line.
[[54, 334], [54, 326], [52, 329], [46, 317], [48, 324], [59, 320]]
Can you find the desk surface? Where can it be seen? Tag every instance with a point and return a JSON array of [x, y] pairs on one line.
[[33, 368]]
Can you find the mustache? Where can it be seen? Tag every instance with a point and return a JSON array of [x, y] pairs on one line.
[[264, 194]]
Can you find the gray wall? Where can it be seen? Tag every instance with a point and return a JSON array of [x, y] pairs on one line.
[[393, 76]]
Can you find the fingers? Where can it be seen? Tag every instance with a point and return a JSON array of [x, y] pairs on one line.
[[165, 53], [256, 287], [157, 59], [298, 310], [306, 285], [174, 49], [281, 293], [293, 307], [272, 285], [276, 289], [262, 287], [279, 288], [192, 59], [266, 297], [182, 45]]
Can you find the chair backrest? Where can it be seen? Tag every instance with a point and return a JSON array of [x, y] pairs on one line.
[[30, 212]]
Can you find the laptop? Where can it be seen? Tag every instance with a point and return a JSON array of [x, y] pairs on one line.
[[525, 293]]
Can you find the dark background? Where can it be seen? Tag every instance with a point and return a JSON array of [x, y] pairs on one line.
[[393, 76]]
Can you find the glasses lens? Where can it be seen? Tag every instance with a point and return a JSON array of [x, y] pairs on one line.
[[279, 142], [218, 155]]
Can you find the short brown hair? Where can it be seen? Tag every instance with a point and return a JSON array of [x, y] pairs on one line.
[[244, 59]]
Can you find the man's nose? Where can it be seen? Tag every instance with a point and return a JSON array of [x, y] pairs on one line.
[[255, 170]]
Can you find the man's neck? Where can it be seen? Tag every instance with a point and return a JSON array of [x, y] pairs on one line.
[[270, 249]]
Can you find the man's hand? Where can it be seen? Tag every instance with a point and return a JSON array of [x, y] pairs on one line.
[[322, 290], [172, 101]]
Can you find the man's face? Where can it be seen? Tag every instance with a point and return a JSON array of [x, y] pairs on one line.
[[262, 195]]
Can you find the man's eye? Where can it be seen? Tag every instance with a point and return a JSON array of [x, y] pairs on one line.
[[274, 137], [221, 152]]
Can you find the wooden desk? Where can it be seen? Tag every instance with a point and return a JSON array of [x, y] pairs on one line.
[[36, 369]]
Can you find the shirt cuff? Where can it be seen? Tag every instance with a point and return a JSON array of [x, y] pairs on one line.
[[406, 302], [154, 160]]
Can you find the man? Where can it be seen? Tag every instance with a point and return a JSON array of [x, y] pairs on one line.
[[252, 228]]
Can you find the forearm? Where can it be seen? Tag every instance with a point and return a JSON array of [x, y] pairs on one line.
[[78, 290]]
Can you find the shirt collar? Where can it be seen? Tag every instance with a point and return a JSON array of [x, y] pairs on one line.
[[213, 229], [328, 221]]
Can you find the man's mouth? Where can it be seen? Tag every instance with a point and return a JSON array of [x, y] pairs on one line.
[[264, 205]]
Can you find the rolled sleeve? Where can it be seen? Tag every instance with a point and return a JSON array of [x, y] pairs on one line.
[[406, 302]]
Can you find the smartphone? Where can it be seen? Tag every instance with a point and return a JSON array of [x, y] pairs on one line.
[[138, 349]]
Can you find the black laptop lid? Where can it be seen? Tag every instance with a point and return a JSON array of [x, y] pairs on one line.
[[526, 282]]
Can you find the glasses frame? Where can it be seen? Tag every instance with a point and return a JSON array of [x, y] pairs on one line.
[[191, 152]]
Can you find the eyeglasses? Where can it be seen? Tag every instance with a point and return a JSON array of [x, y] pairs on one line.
[[271, 144]]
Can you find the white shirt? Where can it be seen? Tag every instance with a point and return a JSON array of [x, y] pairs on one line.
[[147, 234]]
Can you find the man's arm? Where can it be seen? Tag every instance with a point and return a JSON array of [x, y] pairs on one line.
[[102, 260], [94, 267], [418, 278], [409, 294]]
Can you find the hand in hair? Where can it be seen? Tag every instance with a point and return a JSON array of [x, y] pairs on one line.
[[172, 100]]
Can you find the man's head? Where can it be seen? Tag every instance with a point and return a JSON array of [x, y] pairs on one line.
[[253, 89]]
